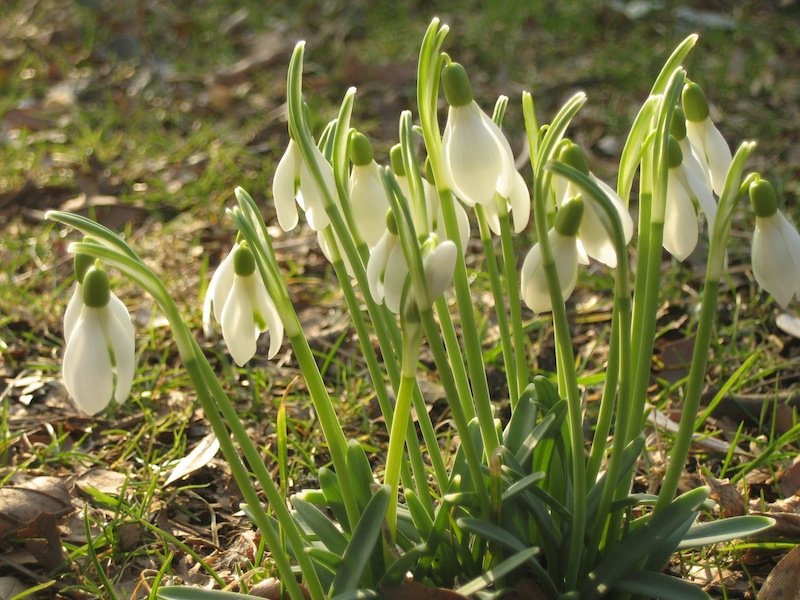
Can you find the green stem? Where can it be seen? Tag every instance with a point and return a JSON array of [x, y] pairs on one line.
[[499, 293]]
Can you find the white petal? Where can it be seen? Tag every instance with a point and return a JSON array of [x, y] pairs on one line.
[[119, 312], [719, 156], [594, 236], [680, 219], [619, 205], [119, 337], [394, 279], [369, 202], [476, 155], [776, 257], [73, 312], [217, 292], [238, 327], [266, 309], [87, 364], [491, 211], [520, 201], [376, 265], [313, 196], [439, 265], [284, 187], [533, 283]]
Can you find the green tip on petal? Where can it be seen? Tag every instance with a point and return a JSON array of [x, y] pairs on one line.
[[674, 154], [695, 105], [391, 222], [96, 292], [396, 158], [763, 198], [81, 264], [457, 89], [572, 155], [678, 126], [360, 149], [244, 263], [568, 218]]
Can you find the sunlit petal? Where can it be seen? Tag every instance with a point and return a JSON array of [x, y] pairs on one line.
[[87, 364], [376, 265], [369, 202], [119, 337], [394, 279], [73, 312], [313, 195], [776, 257], [533, 283], [439, 265], [680, 219], [269, 313], [284, 187], [238, 327]]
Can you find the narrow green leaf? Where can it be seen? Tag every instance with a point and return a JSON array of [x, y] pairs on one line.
[[724, 530], [522, 485], [316, 521], [522, 420], [419, 515], [501, 570], [361, 472], [329, 483], [187, 593], [659, 586], [362, 545], [327, 559]]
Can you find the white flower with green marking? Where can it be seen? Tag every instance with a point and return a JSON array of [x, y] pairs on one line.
[[239, 301], [711, 148], [534, 289], [776, 246], [368, 199], [99, 359]]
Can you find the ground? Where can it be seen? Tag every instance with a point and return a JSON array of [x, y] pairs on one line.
[[146, 115]]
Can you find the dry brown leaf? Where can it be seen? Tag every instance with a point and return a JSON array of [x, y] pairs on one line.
[[789, 479], [21, 505], [103, 480], [10, 587], [786, 524], [198, 458], [783, 583], [730, 500]]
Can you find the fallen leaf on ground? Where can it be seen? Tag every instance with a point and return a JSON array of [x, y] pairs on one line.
[[783, 583], [730, 500], [198, 458], [21, 505]]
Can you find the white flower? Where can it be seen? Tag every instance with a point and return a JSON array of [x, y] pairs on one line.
[[285, 186], [388, 275], [294, 184], [241, 304], [594, 240], [518, 204], [685, 185], [477, 157], [776, 246], [711, 148], [99, 359], [368, 199], [533, 284]]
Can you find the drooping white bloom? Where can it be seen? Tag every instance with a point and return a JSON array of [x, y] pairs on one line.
[[388, 274], [518, 205], [295, 185], [241, 304], [99, 359], [776, 246], [534, 290], [368, 199], [477, 157], [685, 186], [710, 147], [593, 239]]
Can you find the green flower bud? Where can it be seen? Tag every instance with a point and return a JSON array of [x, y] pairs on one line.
[[95, 288], [694, 101], [674, 154], [678, 126], [360, 149], [81, 264], [572, 155], [244, 263], [391, 222], [568, 218], [396, 158], [763, 198], [457, 89]]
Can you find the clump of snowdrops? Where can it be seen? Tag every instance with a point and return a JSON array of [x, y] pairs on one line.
[[531, 499]]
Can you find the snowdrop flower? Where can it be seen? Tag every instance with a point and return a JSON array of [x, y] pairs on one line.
[[594, 240], [685, 185], [99, 358], [294, 185], [518, 204], [433, 209], [709, 145], [477, 157], [387, 270], [776, 246], [368, 199], [563, 242], [242, 306]]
